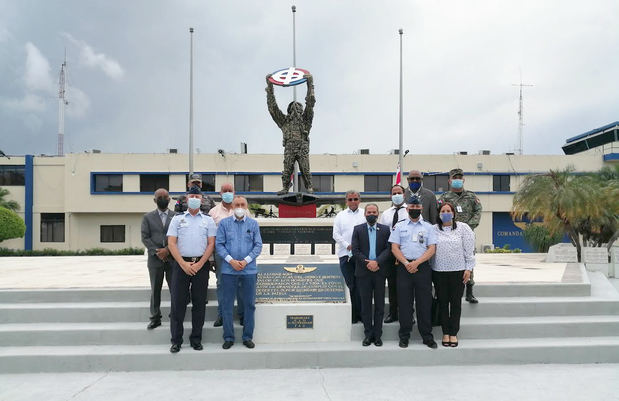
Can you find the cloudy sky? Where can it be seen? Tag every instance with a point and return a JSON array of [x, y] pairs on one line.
[[128, 67]]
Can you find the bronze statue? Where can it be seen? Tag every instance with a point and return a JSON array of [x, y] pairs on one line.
[[295, 126]]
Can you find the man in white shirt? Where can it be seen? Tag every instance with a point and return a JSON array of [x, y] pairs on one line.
[[390, 217], [343, 226]]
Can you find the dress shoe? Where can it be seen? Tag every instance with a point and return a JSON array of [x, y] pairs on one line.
[[470, 298], [218, 322], [431, 344], [392, 317], [378, 342], [197, 346], [403, 343], [153, 324], [175, 348], [227, 344], [241, 322], [366, 341], [249, 344]]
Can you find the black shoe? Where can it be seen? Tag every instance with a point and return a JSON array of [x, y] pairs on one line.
[[197, 346], [227, 344], [431, 344], [153, 324], [241, 322], [392, 317], [403, 343], [249, 344], [378, 342], [175, 348], [219, 322], [366, 341], [470, 298]]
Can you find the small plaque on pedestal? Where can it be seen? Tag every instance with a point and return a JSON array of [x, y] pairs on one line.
[[299, 321]]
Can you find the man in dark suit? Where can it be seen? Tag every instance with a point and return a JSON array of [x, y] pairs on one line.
[[372, 252], [154, 228]]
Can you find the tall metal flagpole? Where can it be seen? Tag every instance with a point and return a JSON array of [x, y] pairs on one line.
[[190, 101], [401, 150], [295, 174]]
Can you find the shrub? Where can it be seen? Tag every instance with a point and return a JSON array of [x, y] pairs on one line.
[[11, 225], [58, 252]]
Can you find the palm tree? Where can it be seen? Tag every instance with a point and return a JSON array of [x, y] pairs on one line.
[[561, 200], [8, 204]]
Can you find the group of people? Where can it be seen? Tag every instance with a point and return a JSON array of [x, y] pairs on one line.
[[416, 243], [183, 246]]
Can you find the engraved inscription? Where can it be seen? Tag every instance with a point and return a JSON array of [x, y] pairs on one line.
[[276, 285], [299, 321]]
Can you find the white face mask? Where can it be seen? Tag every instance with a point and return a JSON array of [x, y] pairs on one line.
[[239, 212]]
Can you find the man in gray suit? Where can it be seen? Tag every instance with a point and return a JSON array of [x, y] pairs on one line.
[[426, 196], [154, 228]]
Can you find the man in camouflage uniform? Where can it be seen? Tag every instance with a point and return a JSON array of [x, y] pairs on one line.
[[295, 126], [468, 210], [181, 201]]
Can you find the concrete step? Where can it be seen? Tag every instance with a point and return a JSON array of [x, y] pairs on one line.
[[327, 355], [139, 311], [130, 333]]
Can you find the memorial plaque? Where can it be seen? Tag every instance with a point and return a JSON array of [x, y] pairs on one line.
[[614, 251], [297, 234], [299, 321], [595, 255], [562, 253], [288, 283], [281, 249], [303, 249], [323, 249]]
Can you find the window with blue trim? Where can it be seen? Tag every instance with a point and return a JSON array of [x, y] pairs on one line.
[[321, 183], [108, 182], [12, 175], [500, 183], [377, 183], [152, 182], [208, 182], [436, 183], [248, 183]]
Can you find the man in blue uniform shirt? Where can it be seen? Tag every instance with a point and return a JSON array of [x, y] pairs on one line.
[[239, 243], [413, 242], [191, 240]]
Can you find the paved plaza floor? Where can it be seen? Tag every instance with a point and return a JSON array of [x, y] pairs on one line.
[[469, 383], [131, 271]]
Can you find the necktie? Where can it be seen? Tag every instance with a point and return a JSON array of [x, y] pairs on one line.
[[396, 216], [372, 238], [163, 216]]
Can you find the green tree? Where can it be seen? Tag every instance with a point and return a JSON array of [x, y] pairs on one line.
[[540, 237], [11, 225], [604, 228], [8, 204], [562, 199]]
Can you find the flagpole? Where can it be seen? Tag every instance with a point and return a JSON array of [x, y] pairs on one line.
[[190, 101], [400, 151]]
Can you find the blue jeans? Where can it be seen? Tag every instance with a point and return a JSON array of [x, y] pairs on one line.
[[230, 285], [220, 293]]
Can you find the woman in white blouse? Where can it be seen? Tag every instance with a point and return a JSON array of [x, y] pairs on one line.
[[453, 263]]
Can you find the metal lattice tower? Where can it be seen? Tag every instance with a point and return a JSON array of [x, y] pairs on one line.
[[62, 102], [520, 116]]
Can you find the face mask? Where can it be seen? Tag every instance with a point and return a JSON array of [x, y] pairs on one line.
[[414, 186], [446, 217], [414, 213], [193, 203], [371, 219], [227, 197], [457, 183], [239, 212], [397, 199], [162, 203]]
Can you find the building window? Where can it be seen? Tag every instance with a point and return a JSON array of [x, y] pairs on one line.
[[112, 233], [12, 175], [152, 182], [500, 183], [248, 183], [208, 182], [52, 227], [108, 183], [321, 183], [377, 183], [436, 183]]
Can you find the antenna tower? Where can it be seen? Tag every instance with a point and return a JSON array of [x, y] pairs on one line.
[[520, 116], [62, 102]]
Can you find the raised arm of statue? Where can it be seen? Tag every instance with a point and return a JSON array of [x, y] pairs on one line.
[[310, 100], [276, 113]]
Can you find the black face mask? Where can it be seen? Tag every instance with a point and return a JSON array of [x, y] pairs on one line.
[[162, 203], [371, 219], [414, 213]]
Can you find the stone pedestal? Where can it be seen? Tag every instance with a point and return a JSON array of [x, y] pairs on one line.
[[562, 252], [596, 259]]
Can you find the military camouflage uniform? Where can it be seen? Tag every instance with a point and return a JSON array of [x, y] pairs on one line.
[[471, 210], [296, 128]]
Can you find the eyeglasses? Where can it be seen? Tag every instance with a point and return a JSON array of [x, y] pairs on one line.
[[414, 178], [352, 199]]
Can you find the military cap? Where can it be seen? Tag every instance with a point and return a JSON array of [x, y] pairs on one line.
[[195, 177], [455, 171], [194, 190], [414, 200]]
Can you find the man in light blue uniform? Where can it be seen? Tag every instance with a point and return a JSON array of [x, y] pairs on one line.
[[191, 240], [239, 243], [413, 242]]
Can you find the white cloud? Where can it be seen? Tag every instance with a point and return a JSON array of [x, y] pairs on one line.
[[90, 58], [79, 102], [37, 75], [30, 102], [5, 35]]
